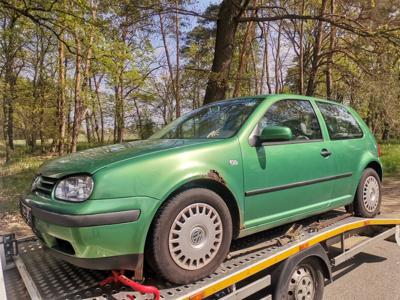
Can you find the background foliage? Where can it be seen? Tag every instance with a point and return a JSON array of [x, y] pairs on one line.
[[82, 73]]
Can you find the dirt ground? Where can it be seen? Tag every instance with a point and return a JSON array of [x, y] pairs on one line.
[[391, 197], [390, 208]]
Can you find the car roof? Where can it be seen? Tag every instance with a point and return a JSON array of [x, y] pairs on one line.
[[267, 97]]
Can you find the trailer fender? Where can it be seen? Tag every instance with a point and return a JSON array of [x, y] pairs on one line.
[[282, 273]]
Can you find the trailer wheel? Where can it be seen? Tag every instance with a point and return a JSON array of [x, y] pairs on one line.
[[368, 197], [305, 281], [191, 236]]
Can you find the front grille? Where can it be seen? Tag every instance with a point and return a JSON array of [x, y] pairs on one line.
[[44, 186]]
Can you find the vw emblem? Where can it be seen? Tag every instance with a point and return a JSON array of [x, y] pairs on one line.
[[197, 236]]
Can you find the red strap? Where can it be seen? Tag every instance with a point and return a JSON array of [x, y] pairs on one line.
[[120, 277], [146, 289]]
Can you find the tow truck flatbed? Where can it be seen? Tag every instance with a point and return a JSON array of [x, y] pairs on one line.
[[31, 273]]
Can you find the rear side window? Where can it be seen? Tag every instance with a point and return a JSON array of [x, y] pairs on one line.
[[341, 124], [298, 115]]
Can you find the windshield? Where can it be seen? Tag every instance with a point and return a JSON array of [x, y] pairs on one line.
[[215, 121]]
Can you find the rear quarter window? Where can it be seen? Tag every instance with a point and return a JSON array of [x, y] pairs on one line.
[[340, 122]]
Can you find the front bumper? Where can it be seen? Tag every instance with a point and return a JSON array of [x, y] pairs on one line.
[[68, 220], [103, 240], [120, 262]]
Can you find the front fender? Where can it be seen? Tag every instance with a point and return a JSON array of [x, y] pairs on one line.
[[160, 174]]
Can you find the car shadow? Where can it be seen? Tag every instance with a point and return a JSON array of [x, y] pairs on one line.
[[354, 263]]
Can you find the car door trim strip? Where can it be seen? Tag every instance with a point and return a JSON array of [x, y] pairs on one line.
[[296, 184]]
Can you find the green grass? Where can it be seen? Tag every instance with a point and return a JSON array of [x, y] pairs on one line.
[[16, 176], [391, 159]]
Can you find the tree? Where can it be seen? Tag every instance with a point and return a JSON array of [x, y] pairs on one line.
[[11, 43], [227, 24], [231, 14]]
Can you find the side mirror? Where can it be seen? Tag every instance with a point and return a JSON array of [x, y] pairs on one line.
[[275, 134]]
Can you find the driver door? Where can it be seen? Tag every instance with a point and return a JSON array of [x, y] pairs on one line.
[[287, 180]]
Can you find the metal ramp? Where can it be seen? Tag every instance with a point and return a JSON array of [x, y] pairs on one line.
[[46, 277]]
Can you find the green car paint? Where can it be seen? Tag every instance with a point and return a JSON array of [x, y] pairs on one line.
[[265, 185]]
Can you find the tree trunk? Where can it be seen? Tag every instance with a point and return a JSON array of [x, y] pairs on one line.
[[265, 71], [254, 65], [41, 115], [121, 125], [11, 81], [88, 129], [93, 119], [61, 98], [69, 130], [301, 54], [78, 101], [227, 23], [177, 79], [386, 131], [81, 85], [243, 57], [329, 62], [311, 86], [278, 60], [95, 125], [139, 116], [6, 113], [96, 87], [10, 78], [169, 63], [119, 112]]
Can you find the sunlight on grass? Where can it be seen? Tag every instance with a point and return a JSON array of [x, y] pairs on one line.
[[16, 176], [391, 159]]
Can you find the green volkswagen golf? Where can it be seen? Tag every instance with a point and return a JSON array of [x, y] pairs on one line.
[[223, 171]]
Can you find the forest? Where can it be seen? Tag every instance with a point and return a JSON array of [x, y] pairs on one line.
[[76, 74], [100, 72]]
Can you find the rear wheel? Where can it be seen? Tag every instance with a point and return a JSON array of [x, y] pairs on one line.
[[368, 197], [191, 236], [304, 282]]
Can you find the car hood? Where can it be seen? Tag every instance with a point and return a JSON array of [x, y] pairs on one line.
[[91, 160]]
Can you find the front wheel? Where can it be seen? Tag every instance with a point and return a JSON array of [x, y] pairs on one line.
[[191, 236], [368, 197]]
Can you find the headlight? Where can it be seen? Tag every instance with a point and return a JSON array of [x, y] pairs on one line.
[[75, 188]]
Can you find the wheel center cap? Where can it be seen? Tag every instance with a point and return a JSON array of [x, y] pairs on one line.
[[197, 236], [372, 194]]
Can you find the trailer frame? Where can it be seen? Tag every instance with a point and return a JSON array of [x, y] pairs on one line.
[[248, 272]]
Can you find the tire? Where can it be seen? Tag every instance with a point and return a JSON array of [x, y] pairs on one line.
[[304, 281], [191, 236], [368, 197]]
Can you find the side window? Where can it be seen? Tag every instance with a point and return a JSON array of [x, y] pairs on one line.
[[341, 124], [298, 115]]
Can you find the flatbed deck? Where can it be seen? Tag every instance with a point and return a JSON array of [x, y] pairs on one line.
[[38, 275]]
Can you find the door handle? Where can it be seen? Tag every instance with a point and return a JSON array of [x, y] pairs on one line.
[[325, 152]]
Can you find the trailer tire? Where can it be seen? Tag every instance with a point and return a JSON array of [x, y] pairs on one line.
[[304, 281], [368, 197], [191, 236]]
